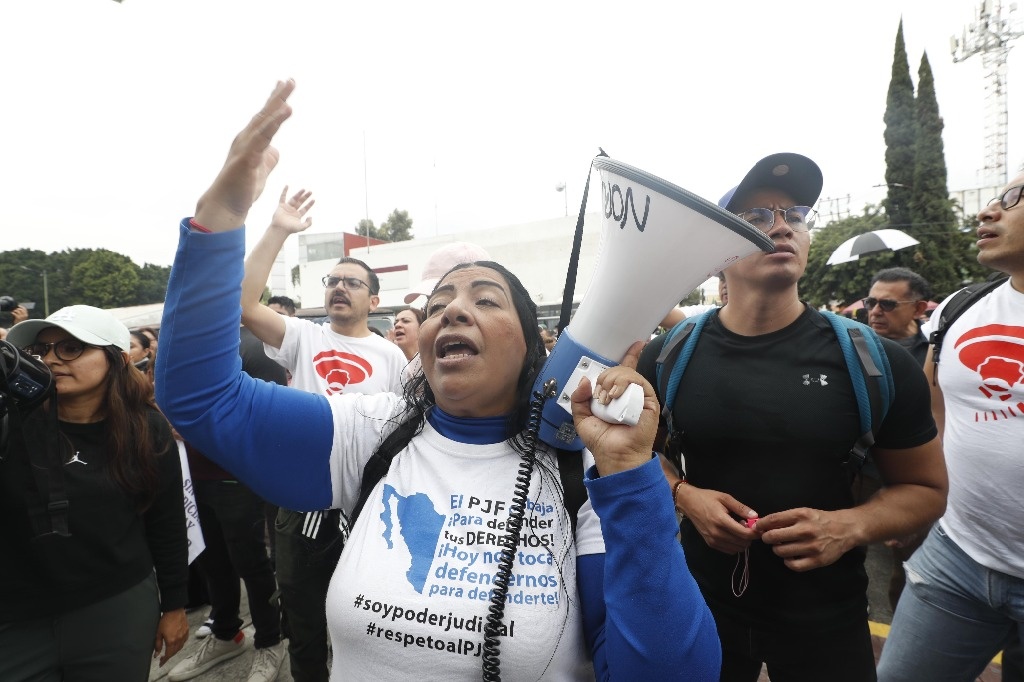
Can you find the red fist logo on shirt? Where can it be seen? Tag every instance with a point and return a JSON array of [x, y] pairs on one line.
[[340, 369], [996, 353]]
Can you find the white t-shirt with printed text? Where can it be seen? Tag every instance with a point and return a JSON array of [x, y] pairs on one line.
[[411, 591]]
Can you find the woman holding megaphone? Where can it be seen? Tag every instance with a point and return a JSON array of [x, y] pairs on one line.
[[465, 558]]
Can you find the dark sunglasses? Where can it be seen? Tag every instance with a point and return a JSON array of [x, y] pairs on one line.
[[1009, 198], [886, 304], [66, 350]]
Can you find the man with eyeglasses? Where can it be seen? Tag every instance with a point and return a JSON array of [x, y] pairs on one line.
[[765, 418], [895, 304], [340, 355], [965, 584]]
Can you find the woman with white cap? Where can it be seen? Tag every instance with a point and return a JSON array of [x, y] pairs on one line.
[[91, 590]]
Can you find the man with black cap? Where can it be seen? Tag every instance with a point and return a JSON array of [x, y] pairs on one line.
[[766, 413]]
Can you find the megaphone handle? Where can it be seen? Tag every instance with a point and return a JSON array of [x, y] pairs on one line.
[[625, 409]]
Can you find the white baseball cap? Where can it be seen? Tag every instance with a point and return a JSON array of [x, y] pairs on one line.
[[443, 260], [91, 325]]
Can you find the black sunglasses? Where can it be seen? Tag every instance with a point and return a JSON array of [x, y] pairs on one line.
[[886, 304]]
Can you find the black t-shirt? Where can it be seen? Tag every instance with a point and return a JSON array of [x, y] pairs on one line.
[[768, 419], [112, 547]]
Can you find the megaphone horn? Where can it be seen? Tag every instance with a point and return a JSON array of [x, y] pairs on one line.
[[659, 242]]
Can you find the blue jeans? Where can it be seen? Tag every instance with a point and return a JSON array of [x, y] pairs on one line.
[[953, 617]]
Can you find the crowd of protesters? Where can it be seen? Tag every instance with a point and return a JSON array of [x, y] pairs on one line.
[[767, 571]]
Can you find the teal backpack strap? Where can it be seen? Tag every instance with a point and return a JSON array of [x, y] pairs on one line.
[[872, 384], [675, 355], [679, 344]]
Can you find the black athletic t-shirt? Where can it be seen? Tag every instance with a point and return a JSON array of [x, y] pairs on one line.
[[112, 547], [768, 419]]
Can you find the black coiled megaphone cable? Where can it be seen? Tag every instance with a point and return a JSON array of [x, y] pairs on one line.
[[517, 510]]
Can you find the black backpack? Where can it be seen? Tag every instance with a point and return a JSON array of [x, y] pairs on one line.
[[957, 306]]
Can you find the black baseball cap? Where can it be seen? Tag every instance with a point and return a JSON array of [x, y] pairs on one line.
[[794, 174]]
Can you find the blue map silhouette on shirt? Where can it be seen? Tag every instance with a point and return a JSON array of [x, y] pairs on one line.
[[421, 529]]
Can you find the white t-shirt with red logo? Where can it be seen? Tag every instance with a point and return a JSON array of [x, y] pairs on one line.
[[981, 374], [325, 362]]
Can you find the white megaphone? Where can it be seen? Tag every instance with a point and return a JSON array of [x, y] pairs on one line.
[[659, 243]]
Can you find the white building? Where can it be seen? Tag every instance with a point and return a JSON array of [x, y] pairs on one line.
[[538, 253]]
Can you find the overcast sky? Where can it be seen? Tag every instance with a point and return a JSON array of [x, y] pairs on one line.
[[118, 115]]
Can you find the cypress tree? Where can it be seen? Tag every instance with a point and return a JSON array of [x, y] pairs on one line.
[[945, 255], [899, 138]]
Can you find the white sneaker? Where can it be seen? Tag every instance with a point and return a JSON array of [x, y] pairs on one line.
[[205, 630], [267, 663], [211, 652]]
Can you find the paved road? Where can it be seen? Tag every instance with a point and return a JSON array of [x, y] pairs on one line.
[[879, 565], [235, 670]]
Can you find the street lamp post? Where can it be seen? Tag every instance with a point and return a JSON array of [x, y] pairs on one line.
[[560, 187], [46, 288]]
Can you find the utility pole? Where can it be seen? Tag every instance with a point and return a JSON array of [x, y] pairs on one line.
[[46, 288], [990, 35], [366, 194]]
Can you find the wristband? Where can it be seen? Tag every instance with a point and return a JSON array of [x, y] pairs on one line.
[[675, 491], [196, 226]]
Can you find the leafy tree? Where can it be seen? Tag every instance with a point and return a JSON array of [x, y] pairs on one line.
[[900, 136], [918, 200], [397, 227], [21, 278], [152, 284], [62, 265], [296, 276], [843, 283], [104, 279], [933, 223], [366, 225], [94, 277]]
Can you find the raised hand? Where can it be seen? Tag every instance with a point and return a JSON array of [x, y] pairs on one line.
[[290, 215], [225, 205]]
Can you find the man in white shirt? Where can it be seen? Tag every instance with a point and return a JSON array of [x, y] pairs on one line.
[[340, 355], [965, 584]]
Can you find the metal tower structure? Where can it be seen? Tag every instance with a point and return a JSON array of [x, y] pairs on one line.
[[989, 35]]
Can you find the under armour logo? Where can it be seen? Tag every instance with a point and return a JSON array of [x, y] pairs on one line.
[[808, 380], [75, 459]]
